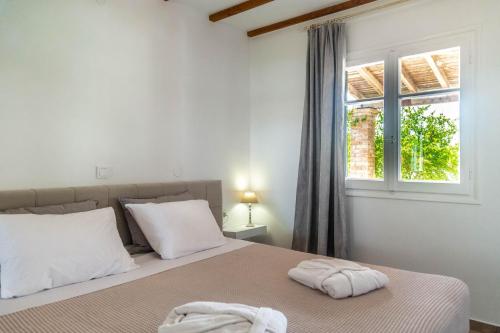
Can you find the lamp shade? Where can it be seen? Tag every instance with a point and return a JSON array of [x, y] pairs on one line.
[[249, 197]]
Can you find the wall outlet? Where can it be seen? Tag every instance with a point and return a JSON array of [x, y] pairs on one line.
[[103, 172]]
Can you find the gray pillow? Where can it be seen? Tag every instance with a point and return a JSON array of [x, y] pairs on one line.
[[140, 243], [67, 208]]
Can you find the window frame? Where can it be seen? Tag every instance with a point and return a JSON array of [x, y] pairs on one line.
[[392, 186], [362, 59]]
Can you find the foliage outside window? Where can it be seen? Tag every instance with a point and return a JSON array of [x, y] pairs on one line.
[[428, 150], [426, 140]]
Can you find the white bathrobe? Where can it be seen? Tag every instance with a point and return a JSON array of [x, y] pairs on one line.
[[198, 317], [338, 278]]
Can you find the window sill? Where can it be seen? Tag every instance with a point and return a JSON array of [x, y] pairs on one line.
[[413, 196]]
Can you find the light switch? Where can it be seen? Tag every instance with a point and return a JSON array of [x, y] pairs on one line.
[[103, 172]]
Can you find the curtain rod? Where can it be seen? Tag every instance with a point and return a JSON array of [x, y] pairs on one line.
[[346, 17]]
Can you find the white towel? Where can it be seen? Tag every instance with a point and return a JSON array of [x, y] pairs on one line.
[[338, 278], [198, 317]]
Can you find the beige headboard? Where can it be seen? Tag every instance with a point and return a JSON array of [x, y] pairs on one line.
[[107, 196]]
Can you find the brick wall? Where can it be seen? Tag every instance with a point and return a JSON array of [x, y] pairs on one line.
[[362, 164]]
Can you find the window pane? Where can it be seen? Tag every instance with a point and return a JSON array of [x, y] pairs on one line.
[[365, 81], [430, 138], [365, 140], [430, 71]]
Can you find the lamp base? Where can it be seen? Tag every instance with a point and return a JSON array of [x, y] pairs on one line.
[[250, 224]]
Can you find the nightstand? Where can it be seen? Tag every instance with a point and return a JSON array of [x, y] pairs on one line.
[[243, 232]]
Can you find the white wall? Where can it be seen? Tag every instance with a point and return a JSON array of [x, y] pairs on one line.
[[452, 239], [146, 87]]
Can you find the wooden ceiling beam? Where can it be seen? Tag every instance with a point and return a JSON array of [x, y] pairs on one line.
[[408, 80], [355, 92], [430, 100], [309, 16], [371, 79], [438, 73], [240, 8]]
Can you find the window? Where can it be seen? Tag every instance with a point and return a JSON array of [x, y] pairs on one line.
[[409, 126], [429, 106], [365, 121]]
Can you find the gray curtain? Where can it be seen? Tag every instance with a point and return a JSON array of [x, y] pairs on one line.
[[320, 220]]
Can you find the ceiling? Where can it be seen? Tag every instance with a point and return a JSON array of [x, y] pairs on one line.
[[272, 12]]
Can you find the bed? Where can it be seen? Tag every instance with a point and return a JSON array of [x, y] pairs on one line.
[[240, 272]]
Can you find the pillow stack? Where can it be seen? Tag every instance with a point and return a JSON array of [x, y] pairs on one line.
[[51, 246]]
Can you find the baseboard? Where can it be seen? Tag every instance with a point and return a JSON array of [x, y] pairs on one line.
[[480, 327]]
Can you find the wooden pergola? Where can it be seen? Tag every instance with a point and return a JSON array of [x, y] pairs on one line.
[[420, 73]]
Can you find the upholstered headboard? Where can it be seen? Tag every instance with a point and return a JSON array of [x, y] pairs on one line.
[[107, 196]]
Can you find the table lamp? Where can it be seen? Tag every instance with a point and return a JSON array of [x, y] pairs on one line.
[[249, 197]]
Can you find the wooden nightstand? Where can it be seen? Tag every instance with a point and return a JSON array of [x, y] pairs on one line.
[[242, 232]]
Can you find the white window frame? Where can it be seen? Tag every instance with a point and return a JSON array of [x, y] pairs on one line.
[[392, 186]]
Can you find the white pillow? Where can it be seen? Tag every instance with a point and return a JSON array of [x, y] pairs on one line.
[[176, 229], [40, 252]]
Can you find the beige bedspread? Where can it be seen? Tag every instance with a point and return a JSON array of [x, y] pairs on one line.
[[257, 275]]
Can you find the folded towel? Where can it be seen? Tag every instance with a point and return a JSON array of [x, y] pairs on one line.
[[198, 317], [338, 278]]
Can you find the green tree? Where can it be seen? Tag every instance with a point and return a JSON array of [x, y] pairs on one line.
[[427, 148], [379, 145]]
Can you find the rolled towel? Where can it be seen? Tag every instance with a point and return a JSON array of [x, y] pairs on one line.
[[338, 278], [198, 317]]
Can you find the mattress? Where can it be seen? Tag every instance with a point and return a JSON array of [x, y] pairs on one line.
[[251, 274]]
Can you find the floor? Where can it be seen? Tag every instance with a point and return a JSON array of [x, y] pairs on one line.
[[477, 327]]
